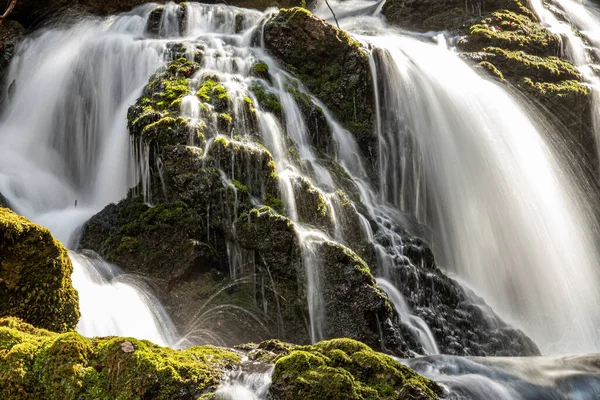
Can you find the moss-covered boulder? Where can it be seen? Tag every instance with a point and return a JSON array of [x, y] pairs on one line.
[[330, 64], [35, 275], [343, 369], [38, 364]]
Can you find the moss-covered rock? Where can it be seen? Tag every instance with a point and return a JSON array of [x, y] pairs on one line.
[[329, 63], [314, 117], [311, 205], [38, 364], [426, 15], [345, 369], [508, 42], [35, 275]]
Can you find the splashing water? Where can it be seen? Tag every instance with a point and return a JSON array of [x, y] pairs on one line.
[[415, 324], [115, 304], [64, 163]]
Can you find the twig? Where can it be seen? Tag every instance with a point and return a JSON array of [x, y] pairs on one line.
[[9, 9], [330, 9]]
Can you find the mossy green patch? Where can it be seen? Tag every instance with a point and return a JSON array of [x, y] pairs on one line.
[[345, 369], [35, 275], [38, 364]]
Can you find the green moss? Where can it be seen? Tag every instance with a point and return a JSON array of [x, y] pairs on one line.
[[491, 69], [260, 70], [521, 64], [239, 187], [40, 364], [35, 275], [336, 69], [345, 369], [267, 100], [512, 31], [274, 202], [212, 92]]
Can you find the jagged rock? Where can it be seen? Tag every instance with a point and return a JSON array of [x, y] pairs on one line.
[[461, 322], [38, 364], [330, 64], [35, 275]]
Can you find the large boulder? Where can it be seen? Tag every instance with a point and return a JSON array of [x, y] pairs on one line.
[[35, 275], [38, 364], [437, 15], [332, 65]]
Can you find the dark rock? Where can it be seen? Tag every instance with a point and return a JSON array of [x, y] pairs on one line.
[[11, 32]]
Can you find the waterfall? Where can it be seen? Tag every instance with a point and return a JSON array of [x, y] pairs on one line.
[[65, 153], [578, 23], [461, 155], [455, 151], [504, 213], [113, 303]]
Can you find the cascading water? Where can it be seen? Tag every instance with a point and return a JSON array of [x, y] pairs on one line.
[[63, 164], [415, 323], [578, 23], [504, 214]]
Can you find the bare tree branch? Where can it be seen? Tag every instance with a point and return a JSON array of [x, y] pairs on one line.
[[9, 9], [330, 9]]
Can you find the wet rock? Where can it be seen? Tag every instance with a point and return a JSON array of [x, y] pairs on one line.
[[35, 275], [11, 32], [330, 64], [461, 322]]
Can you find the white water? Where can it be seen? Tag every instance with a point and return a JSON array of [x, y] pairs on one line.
[[532, 378], [462, 155], [116, 304], [415, 324], [242, 385], [577, 22], [63, 139]]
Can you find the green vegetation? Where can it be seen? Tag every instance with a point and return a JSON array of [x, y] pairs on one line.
[[267, 100], [345, 369], [37, 364], [35, 275]]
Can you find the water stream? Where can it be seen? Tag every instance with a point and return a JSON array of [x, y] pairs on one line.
[[503, 214]]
